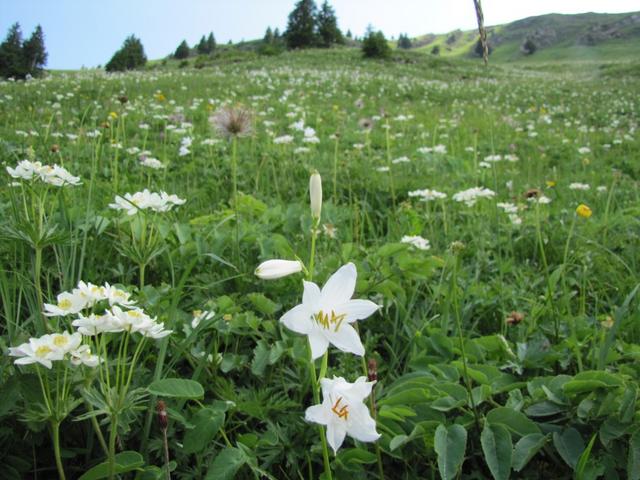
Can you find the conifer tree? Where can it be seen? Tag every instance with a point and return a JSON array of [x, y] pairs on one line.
[[131, 55], [327, 23], [182, 51], [12, 62], [211, 43], [404, 42], [268, 37], [202, 46], [301, 27]]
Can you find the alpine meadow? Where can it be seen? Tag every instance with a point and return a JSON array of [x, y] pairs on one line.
[[320, 255]]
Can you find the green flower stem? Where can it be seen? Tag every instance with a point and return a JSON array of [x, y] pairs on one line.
[[572, 321], [389, 164], [234, 174], [55, 430], [556, 320], [335, 171], [316, 401], [456, 309], [113, 434]]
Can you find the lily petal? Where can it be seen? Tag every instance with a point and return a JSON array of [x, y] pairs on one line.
[[341, 285], [336, 431], [298, 319], [358, 309], [319, 344], [317, 414], [311, 294], [361, 426], [346, 339]]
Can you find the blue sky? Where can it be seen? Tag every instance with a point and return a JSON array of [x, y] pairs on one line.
[[87, 32]]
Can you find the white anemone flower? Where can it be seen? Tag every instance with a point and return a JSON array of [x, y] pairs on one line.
[[326, 315], [68, 304], [343, 411]]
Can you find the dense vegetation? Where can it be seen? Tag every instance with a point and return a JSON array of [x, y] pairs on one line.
[[490, 214], [21, 59]]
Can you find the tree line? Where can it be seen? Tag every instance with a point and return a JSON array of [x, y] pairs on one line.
[[22, 58]]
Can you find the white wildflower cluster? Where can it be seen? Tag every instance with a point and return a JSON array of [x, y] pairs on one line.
[[427, 195], [472, 195], [579, 186], [511, 210], [185, 143], [158, 202], [416, 241], [441, 149], [283, 140], [151, 162], [54, 347], [51, 174], [118, 311]]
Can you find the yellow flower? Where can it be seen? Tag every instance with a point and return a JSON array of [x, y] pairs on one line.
[[160, 97], [113, 115], [551, 183], [583, 211]]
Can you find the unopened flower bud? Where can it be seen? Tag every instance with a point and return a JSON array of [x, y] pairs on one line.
[[315, 193], [273, 269], [372, 370], [163, 417]]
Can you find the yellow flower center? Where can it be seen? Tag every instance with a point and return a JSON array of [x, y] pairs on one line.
[[134, 314], [60, 340], [65, 304], [328, 321], [42, 351], [340, 411], [584, 211]]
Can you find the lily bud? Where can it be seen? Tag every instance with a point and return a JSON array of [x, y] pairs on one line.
[[272, 269], [315, 193]]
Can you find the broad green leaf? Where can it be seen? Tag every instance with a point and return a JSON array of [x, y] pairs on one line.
[[125, 462], [633, 462], [570, 446], [516, 422], [263, 304], [177, 388], [526, 448], [226, 464], [207, 423], [450, 444], [351, 458], [497, 448]]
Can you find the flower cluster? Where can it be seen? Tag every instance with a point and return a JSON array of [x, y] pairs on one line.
[[158, 202], [472, 195], [119, 313], [54, 347], [51, 174], [416, 241]]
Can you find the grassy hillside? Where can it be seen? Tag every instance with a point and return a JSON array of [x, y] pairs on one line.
[[588, 36]]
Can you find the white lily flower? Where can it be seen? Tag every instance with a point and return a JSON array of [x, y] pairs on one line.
[[273, 269], [343, 411], [326, 316]]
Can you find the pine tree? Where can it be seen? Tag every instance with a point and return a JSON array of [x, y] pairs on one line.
[[374, 44], [202, 46], [404, 41], [11, 54], [34, 53], [301, 27], [182, 51], [131, 55], [268, 37], [327, 22], [211, 43]]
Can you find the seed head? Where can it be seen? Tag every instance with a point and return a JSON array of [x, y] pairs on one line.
[[232, 122]]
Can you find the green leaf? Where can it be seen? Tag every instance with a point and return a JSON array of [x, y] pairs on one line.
[[584, 458], [526, 448], [207, 423], [450, 444], [263, 304], [260, 358], [351, 458], [620, 314], [125, 462], [226, 464], [176, 388], [570, 446], [497, 448], [586, 382], [516, 422], [633, 463]]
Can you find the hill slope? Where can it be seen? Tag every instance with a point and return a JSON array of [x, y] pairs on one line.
[[584, 36]]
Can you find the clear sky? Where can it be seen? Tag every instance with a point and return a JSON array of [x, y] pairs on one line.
[[87, 32]]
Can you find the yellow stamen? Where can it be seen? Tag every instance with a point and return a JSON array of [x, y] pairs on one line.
[[60, 341], [327, 321], [42, 351], [342, 412]]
